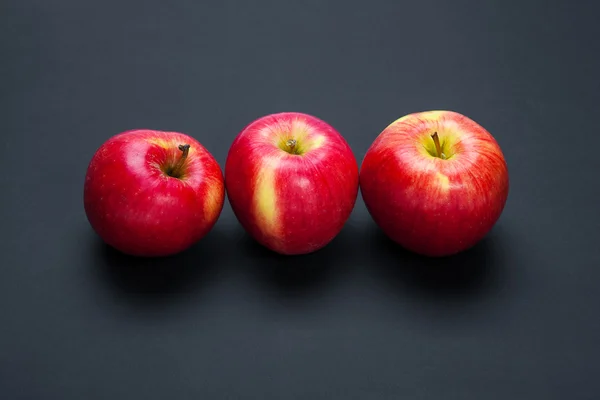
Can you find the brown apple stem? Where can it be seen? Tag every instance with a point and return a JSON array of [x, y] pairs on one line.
[[177, 170], [292, 145], [438, 147]]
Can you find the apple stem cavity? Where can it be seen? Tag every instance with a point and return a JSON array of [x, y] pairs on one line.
[[291, 144], [177, 170], [438, 147]]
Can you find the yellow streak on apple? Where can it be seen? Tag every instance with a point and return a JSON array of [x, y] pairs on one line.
[[444, 181], [160, 142], [214, 197], [265, 203], [316, 142], [432, 115], [301, 132]]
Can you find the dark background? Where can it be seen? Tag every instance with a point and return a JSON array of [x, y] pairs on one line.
[[515, 318]]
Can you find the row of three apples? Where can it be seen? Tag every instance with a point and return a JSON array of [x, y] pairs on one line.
[[435, 182]]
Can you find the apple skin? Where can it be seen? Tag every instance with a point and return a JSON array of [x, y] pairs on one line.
[[291, 203], [429, 205], [137, 208]]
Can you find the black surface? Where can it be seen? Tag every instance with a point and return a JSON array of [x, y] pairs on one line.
[[515, 318]]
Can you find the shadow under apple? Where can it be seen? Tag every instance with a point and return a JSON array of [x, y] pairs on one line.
[[293, 276], [158, 280], [464, 277]]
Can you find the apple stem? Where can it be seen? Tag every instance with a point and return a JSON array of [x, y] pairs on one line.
[[292, 145], [177, 170], [438, 147]]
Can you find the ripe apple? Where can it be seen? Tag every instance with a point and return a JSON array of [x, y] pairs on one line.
[[153, 193], [435, 182], [292, 181]]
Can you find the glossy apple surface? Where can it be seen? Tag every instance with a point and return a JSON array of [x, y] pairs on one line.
[[435, 199], [292, 182], [153, 193]]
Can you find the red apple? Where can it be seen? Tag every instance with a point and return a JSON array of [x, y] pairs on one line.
[[292, 181], [435, 182], [153, 193]]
